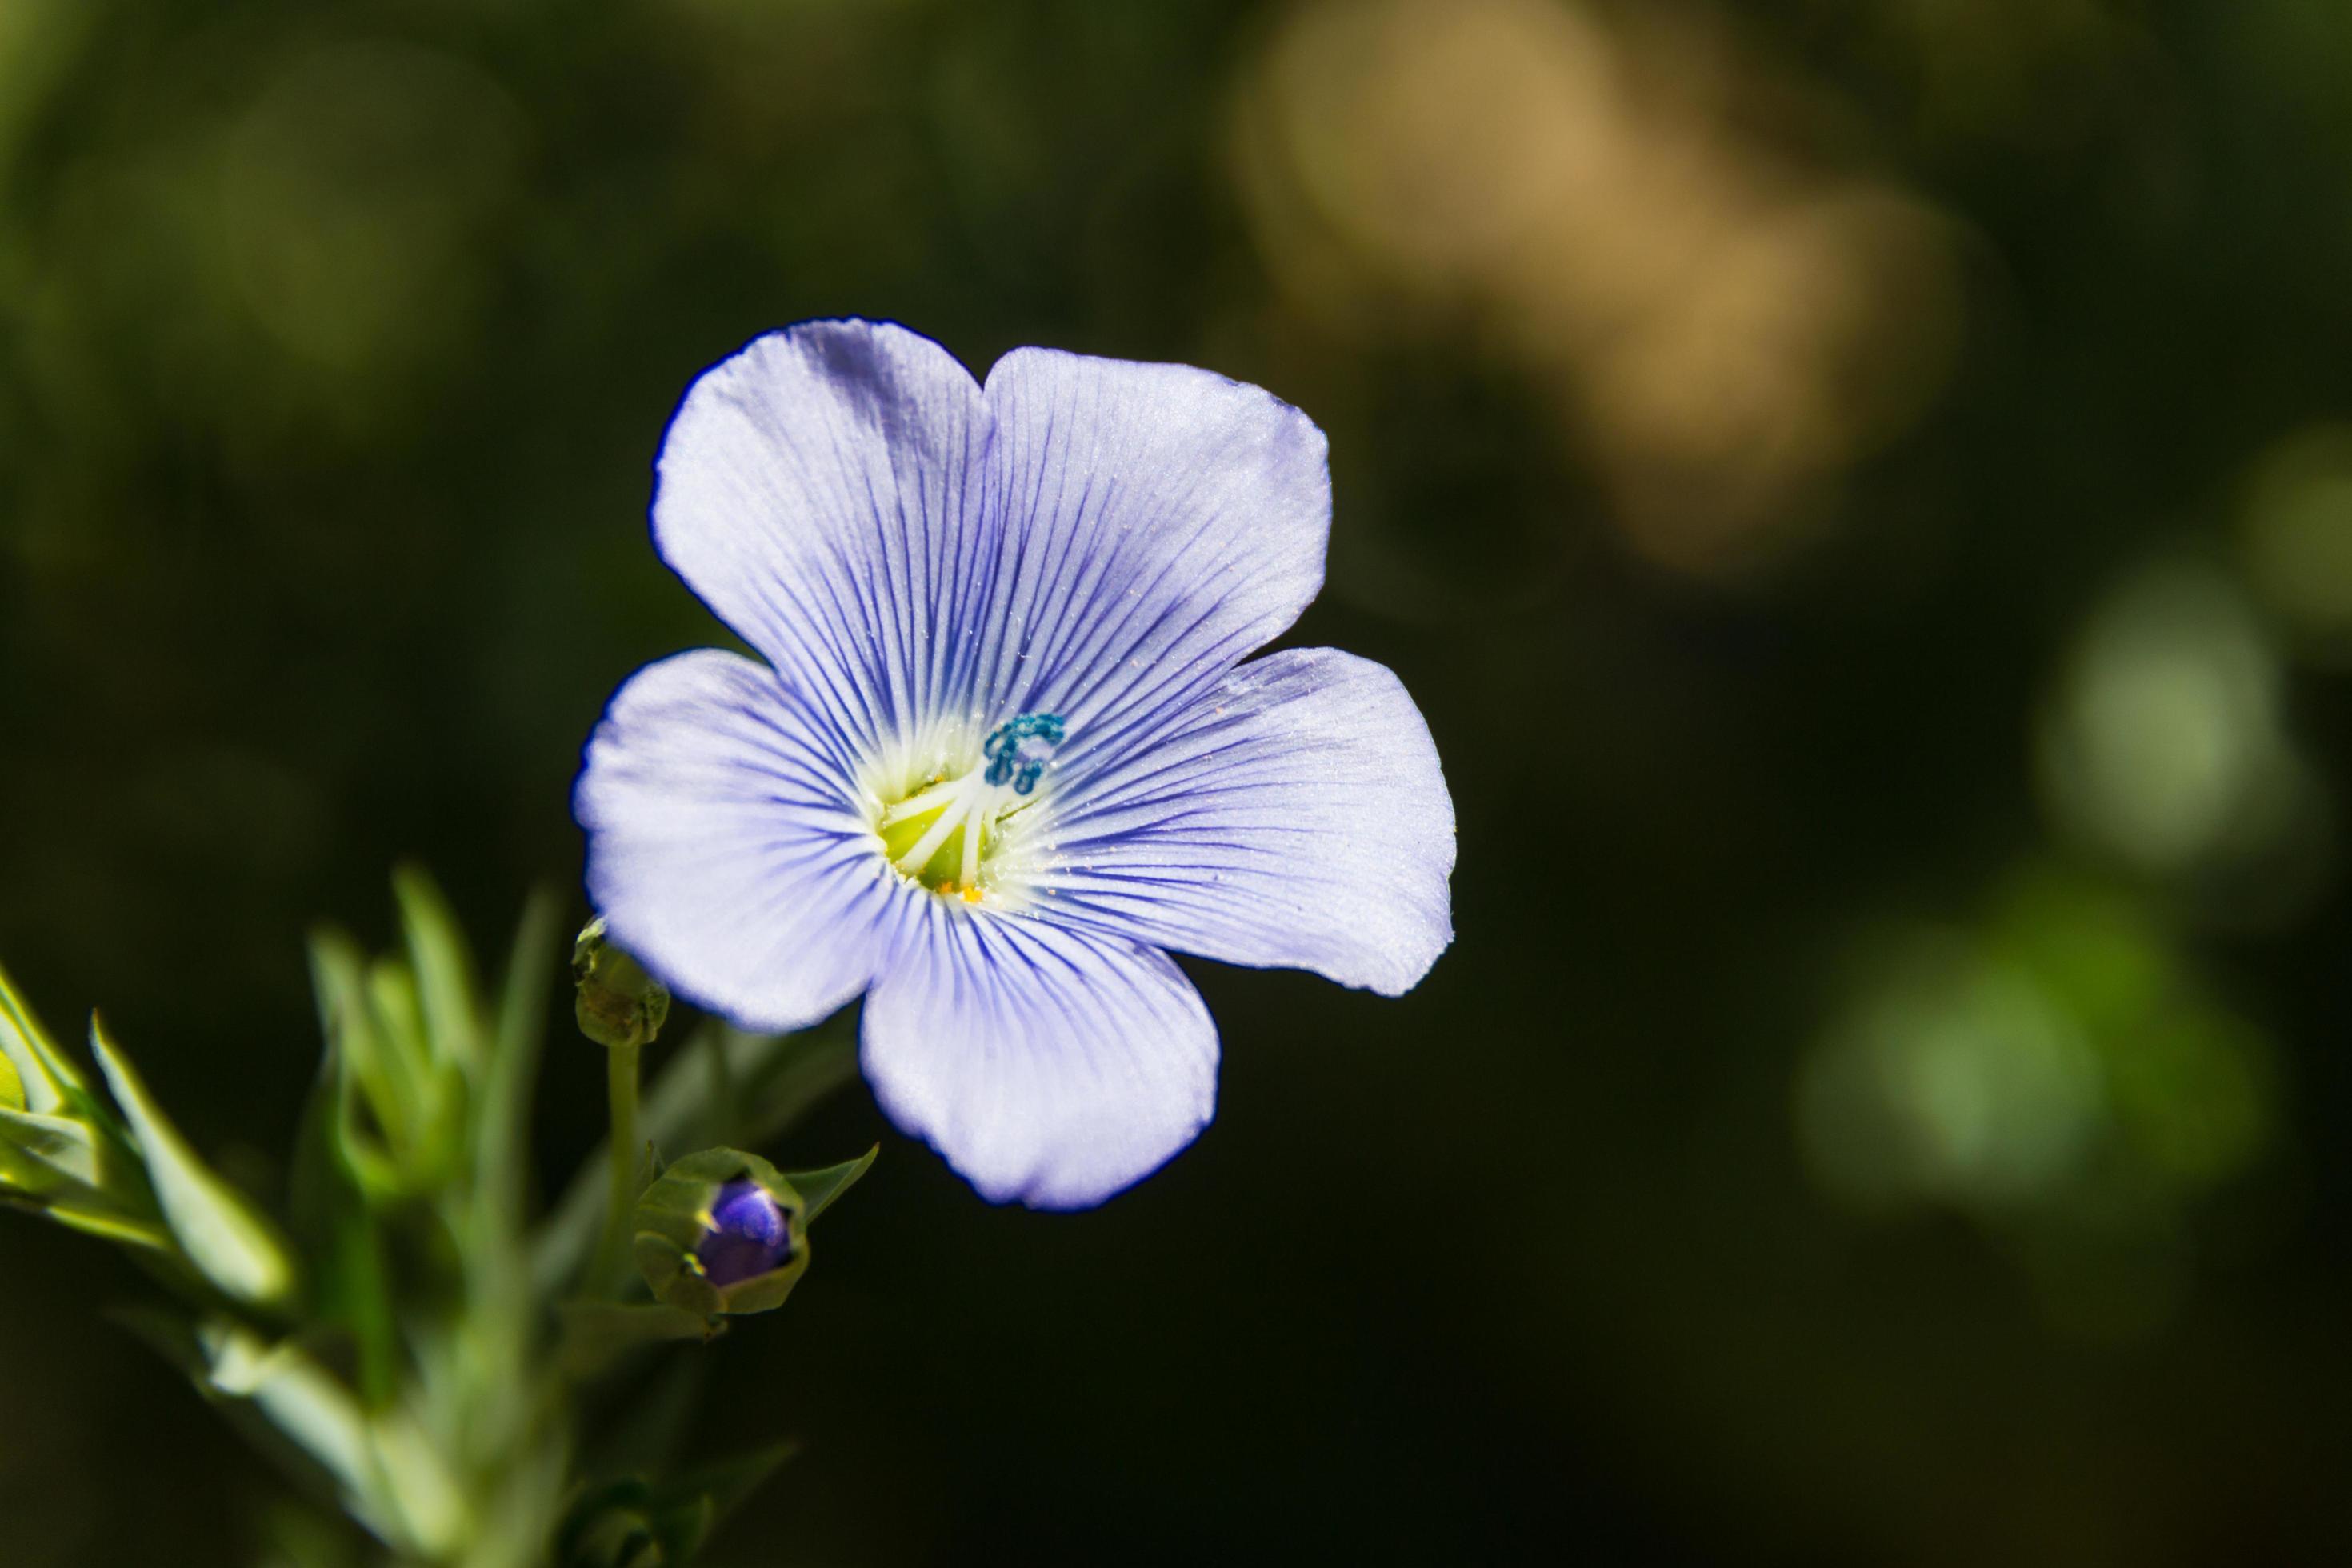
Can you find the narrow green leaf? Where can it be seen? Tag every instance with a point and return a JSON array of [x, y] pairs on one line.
[[108, 1226], [303, 1402], [52, 1148], [339, 1231], [45, 1081], [335, 970], [502, 1121], [497, 1261], [445, 971], [321, 1419], [406, 1058], [347, 1019], [819, 1188], [229, 1242], [77, 1175], [12, 1086], [363, 1153], [415, 1478], [186, 1344]]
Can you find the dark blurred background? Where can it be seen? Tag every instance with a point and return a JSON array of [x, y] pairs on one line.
[[1861, 489]]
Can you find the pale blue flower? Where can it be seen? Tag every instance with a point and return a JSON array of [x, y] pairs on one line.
[[1004, 750]]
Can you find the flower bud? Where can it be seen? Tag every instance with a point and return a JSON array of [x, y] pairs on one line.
[[619, 1003], [722, 1233]]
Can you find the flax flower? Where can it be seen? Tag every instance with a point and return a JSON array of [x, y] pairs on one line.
[[1004, 754]]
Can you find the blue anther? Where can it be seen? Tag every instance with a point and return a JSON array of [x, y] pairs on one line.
[[1007, 737], [1011, 758]]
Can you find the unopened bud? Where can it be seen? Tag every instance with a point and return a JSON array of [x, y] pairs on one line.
[[722, 1233], [751, 1234], [619, 1003]]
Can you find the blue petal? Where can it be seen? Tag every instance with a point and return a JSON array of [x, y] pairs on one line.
[[1047, 1065], [1089, 536], [724, 848], [1160, 523], [1298, 817], [813, 490]]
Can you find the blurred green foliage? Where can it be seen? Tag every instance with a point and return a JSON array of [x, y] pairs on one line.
[[1871, 471]]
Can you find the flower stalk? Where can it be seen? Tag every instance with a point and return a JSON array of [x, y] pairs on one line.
[[622, 1008], [621, 1064]]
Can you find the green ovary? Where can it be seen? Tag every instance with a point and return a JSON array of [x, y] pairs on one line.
[[943, 872]]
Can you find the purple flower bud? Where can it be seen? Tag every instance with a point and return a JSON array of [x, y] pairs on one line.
[[748, 1235], [722, 1233]]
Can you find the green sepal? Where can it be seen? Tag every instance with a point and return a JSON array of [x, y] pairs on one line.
[[819, 1188], [674, 1216], [229, 1242], [12, 1086], [617, 1003]]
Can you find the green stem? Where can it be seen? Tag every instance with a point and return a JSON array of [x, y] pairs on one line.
[[621, 1086]]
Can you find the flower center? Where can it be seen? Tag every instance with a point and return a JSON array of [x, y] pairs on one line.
[[943, 833]]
